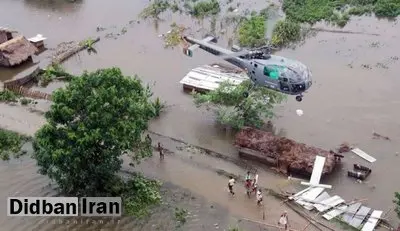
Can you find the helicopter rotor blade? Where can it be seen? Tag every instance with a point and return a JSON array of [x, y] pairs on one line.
[[235, 54], [268, 49]]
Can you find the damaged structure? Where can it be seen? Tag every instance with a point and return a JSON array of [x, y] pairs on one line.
[[289, 157], [16, 51], [5, 34], [209, 77]]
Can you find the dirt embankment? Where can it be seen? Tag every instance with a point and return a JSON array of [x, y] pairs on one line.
[[289, 156]]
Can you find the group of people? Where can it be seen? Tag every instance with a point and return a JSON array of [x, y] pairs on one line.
[[251, 185]]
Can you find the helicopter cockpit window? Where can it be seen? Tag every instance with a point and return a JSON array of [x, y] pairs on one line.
[[271, 72]]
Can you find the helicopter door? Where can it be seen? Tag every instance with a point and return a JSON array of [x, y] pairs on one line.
[[284, 84], [272, 74]]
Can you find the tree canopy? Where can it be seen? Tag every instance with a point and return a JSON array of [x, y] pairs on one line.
[[397, 202], [251, 31], [92, 122], [235, 110]]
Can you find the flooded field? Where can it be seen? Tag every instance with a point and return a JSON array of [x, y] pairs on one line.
[[355, 91]]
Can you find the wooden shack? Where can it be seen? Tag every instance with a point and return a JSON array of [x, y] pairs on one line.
[[6, 34], [38, 42], [16, 51]]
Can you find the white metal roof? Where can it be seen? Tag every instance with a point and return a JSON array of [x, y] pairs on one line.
[[209, 77], [37, 38]]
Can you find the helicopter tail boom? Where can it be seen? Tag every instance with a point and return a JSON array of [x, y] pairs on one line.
[[196, 44], [208, 44]]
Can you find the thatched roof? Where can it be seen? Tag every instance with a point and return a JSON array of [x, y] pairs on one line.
[[6, 30], [292, 156], [17, 50]]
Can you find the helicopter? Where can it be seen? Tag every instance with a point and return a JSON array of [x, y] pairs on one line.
[[278, 73]]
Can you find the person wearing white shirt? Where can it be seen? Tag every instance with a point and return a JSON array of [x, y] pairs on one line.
[[231, 183], [255, 183], [283, 220], [259, 197]]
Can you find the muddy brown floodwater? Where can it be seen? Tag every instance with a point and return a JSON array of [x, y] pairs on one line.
[[355, 91]]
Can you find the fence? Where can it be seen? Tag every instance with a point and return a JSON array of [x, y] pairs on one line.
[[21, 90], [17, 86]]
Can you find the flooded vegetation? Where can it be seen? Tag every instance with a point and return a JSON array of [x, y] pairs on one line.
[[354, 96], [11, 143]]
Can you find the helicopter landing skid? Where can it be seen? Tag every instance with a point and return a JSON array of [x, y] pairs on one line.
[[299, 98]]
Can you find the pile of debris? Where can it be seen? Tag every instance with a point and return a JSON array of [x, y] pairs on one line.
[[289, 156]]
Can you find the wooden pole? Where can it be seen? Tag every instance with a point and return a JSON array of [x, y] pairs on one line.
[[314, 222], [309, 223]]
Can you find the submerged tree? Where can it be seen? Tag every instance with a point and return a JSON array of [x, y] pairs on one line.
[[154, 9], [251, 31], [92, 122], [235, 110], [397, 202]]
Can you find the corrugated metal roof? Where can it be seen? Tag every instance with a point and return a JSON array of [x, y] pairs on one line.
[[209, 77]]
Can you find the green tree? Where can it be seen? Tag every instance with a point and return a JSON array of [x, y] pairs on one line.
[[92, 122], [155, 9], [285, 32], [397, 202], [234, 109], [252, 31], [206, 8]]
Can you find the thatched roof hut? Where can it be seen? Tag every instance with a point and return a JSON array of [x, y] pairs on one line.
[[290, 156], [5, 34], [16, 51]]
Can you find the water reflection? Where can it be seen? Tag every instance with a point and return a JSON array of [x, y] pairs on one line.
[[66, 6], [7, 73]]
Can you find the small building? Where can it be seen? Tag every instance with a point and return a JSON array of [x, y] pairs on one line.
[[38, 42], [16, 51], [6, 34]]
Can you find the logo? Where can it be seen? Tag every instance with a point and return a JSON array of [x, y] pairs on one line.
[[64, 206]]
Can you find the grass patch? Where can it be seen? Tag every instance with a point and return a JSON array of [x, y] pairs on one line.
[[174, 37], [10, 144], [251, 31], [25, 101], [285, 32], [8, 96], [53, 71], [158, 107], [154, 9], [180, 217], [206, 8], [175, 7], [312, 11]]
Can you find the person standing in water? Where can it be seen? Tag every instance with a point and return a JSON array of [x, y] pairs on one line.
[[255, 183], [259, 197], [248, 183], [284, 220], [231, 183], [160, 150]]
